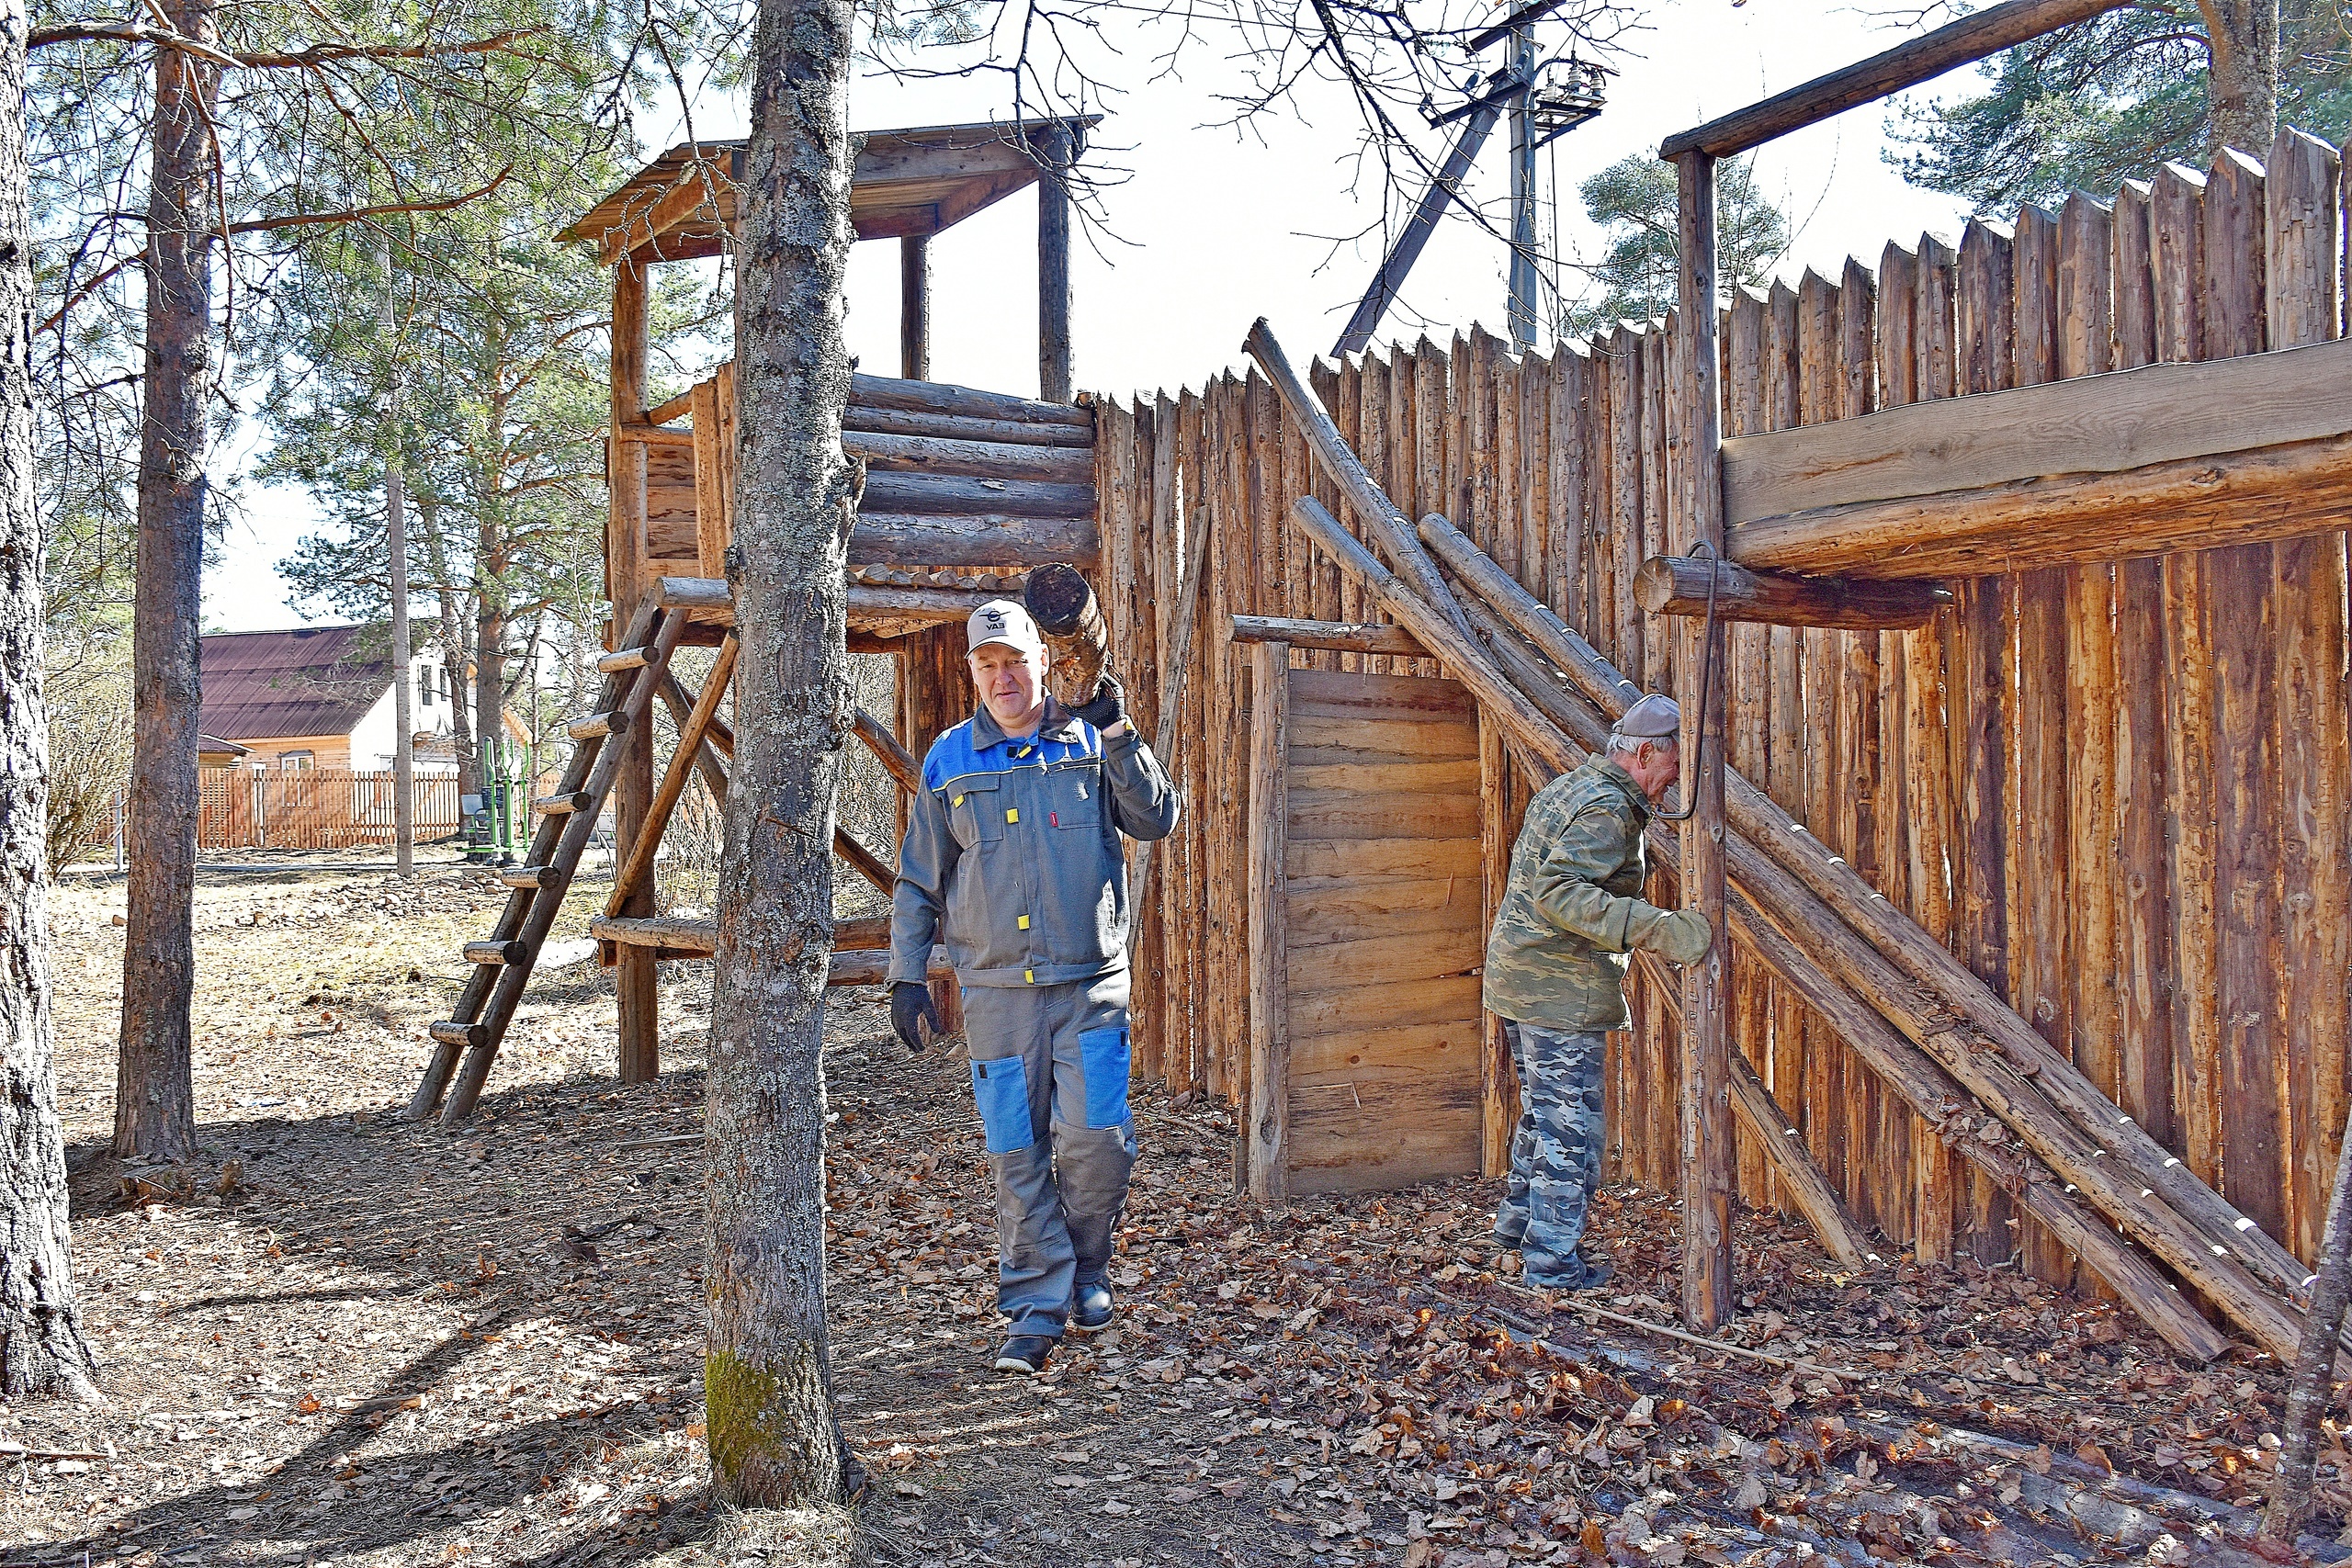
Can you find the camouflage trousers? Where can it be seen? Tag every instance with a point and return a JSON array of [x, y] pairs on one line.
[[1555, 1153]]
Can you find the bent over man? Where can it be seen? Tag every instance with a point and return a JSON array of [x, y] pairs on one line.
[[1011, 856], [1556, 969]]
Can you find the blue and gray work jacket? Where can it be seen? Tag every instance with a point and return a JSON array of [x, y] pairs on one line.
[[1013, 848]]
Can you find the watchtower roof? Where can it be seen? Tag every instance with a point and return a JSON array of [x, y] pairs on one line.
[[918, 180]]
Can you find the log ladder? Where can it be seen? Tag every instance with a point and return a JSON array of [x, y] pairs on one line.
[[633, 676]]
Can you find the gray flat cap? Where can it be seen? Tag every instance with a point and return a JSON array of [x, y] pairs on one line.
[[1655, 718]]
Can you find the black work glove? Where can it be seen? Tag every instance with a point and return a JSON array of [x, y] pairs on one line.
[[910, 1000], [1107, 706]]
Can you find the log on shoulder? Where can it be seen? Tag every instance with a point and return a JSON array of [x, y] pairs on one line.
[[1679, 585]]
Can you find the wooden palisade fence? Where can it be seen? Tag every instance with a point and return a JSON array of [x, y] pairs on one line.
[[2117, 792]]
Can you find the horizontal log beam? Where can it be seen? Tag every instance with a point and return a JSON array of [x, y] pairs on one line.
[[684, 934], [914, 604], [709, 595], [987, 538], [1924, 59], [2136, 462], [1336, 636], [934, 494], [962, 427], [968, 402], [887, 454], [873, 969], [2111, 423], [2196, 503], [1679, 585]]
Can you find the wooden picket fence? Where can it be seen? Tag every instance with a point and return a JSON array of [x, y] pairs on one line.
[[2118, 793], [315, 808]]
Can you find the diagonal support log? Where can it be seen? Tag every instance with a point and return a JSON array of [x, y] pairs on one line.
[[1948, 1029], [1776, 1133], [718, 741], [691, 730]]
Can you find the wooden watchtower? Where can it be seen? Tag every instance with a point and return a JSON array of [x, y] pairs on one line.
[[965, 490]]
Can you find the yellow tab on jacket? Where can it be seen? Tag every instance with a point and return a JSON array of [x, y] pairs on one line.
[[1012, 814], [1030, 976], [959, 800], [1024, 922]]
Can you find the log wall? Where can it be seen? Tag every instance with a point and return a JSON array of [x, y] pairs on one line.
[[2117, 791]]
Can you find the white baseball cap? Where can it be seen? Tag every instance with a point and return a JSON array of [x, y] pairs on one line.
[[1004, 621]]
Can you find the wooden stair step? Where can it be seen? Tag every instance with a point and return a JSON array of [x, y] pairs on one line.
[[450, 1032], [559, 805], [495, 951], [623, 660], [541, 878], [597, 726]]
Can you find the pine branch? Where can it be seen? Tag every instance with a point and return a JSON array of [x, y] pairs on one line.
[[297, 220]]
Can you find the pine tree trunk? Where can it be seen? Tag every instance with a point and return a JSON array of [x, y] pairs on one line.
[[396, 551], [490, 679], [154, 1113], [2241, 88], [772, 1438], [453, 643], [41, 1349]]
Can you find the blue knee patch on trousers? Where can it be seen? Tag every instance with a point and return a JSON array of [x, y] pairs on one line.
[[1103, 1054], [1001, 1088]]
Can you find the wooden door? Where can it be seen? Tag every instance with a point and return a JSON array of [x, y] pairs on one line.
[[1377, 1054]]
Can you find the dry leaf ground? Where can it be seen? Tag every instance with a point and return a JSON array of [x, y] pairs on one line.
[[339, 1337]]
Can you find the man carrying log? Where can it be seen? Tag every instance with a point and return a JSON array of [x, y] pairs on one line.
[[1013, 847], [1555, 970]]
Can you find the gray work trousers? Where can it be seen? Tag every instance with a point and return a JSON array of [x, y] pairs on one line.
[[1556, 1153], [1049, 1073]]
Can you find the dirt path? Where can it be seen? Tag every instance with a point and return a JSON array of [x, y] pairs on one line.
[[362, 1341]]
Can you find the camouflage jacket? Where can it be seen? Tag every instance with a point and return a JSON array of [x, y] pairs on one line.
[[1556, 956]]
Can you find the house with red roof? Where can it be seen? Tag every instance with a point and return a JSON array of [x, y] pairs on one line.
[[321, 697]]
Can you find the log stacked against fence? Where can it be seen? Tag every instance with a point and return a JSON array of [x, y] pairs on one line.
[[1956, 782]]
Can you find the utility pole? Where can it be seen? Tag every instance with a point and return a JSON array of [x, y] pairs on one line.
[[396, 541], [1522, 190]]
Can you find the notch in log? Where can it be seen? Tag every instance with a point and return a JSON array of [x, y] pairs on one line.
[[1077, 640], [1677, 586]]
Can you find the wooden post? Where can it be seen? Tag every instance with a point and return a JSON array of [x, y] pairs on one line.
[[637, 1035], [914, 307], [1056, 152], [1265, 1140], [1708, 1151], [1496, 1072]]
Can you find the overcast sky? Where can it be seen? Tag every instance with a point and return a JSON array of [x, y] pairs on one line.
[[1210, 227]]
